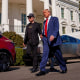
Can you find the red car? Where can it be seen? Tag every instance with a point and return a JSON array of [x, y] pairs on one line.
[[7, 53]]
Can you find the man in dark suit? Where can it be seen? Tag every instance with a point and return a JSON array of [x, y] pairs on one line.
[[51, 40], [31, 39]]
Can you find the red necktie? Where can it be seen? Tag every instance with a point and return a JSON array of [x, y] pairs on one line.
[[46, 27]]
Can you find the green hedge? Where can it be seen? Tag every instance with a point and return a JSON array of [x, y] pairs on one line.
[[19, 56]]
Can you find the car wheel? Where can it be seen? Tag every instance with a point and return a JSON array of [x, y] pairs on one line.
[[4, 61]]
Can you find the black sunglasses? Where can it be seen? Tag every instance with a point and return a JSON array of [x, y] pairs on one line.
[[29, 17]]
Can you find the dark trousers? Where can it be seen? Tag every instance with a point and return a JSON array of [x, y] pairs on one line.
[[32, 50], [57, 53]]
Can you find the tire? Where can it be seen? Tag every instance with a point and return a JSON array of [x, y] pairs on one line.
[[4, 61]]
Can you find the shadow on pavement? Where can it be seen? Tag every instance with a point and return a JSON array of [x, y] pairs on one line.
[[13, 68], [48, 70], [10, 69]]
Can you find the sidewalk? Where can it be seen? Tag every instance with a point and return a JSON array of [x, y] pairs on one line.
[[73, 60]]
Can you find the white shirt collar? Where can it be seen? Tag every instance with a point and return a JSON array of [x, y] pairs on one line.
[[49, 17]]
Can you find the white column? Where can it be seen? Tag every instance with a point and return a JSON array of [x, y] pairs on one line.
[[68, 27], [4, 18], [53, 7], [28, 8], [46, 4]]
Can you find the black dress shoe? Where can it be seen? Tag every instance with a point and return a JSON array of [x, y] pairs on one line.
[[41, 73], [34, 70]]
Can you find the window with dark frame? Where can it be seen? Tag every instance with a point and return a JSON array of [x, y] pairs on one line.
[[72, 29], [79, 17], [23, 19], [71, 15], [50, 2], [62, 12], [63, 30], [0, 18]]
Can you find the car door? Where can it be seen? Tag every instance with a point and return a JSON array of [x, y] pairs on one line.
[[69, 46]]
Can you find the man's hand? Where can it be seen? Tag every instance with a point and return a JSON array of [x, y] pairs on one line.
[[51, 38], [24, 45], [41, 36]]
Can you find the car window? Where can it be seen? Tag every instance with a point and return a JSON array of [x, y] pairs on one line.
[[68, 39], [65, 39], [72, 39], [0, 36]]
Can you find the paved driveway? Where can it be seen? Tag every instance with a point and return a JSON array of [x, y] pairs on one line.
[[24, 73]]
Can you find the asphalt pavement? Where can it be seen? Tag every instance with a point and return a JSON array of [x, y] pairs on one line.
[[24, 73]]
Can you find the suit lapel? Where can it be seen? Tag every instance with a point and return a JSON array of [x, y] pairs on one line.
[[43, 27], [49, 22]]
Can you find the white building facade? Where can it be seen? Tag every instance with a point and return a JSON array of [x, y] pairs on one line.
[[13, 14]]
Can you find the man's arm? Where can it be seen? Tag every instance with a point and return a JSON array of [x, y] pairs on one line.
[[26, 36], [56, 29], [39, 31]]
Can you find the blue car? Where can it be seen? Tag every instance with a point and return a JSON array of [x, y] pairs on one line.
[[70, 49], [70, 46]]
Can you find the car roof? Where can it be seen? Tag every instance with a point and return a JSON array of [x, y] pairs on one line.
[[78, 40], [69, 36]]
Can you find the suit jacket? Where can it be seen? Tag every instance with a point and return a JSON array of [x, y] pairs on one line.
[[53, 29]]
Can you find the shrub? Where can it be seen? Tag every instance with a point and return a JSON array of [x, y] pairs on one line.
[[19, 57], [16, 38]]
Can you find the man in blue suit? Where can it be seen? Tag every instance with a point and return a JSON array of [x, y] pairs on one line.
[[51, 40]]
